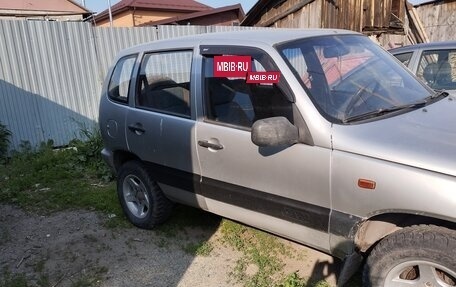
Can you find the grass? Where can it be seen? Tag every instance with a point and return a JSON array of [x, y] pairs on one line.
[[92, 277], [293, 280], [184, 217], [199, 249], [262, 260], [13, 280], [45, 180], [5, 135]]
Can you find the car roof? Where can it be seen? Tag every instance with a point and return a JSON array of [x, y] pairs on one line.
[[424, 46], [264, 36]]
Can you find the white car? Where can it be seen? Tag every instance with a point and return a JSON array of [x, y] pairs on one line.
[[434, 63]]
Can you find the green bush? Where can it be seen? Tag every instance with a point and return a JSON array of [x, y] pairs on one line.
[[88, 152], [46, 179], [5, 135]]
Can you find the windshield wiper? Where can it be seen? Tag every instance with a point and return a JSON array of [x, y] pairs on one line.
[[382, 111], [437, 94]]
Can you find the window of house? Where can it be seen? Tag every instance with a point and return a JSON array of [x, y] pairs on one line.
[[232, 101], [119, 84], [164, 82]]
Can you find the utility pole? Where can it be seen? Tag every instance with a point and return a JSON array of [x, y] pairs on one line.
[[110, 13]]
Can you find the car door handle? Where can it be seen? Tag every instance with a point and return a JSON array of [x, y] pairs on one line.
[[137, 128], [207, 144]]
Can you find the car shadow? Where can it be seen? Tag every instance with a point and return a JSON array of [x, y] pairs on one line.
[[322, 270], [34, 118]]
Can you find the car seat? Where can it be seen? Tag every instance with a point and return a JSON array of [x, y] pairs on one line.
[[223, 106]]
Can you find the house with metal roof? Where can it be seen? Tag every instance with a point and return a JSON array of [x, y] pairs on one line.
[[223, 16], [51, 10]]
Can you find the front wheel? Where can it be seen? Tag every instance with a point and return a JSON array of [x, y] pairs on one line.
[[141, 198], [422, 256]]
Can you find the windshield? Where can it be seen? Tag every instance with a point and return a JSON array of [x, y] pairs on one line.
[[349, 75]]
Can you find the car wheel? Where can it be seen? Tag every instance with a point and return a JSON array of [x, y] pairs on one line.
[[141, 198], [422, 255]]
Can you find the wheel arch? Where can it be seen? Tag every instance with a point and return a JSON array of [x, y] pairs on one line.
[[121, 157], [372, 230]]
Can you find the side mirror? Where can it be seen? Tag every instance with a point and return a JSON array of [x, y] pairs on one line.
[[276, 131]]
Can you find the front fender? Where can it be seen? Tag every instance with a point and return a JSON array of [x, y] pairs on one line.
[[399, 189]]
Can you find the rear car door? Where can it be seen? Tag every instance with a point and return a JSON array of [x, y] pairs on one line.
[[160, 121], [282, 190]]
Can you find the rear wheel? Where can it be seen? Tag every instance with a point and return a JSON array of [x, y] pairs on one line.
[[141, 198], [422, 256]]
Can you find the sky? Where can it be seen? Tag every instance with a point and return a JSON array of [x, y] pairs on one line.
[[101, 5]]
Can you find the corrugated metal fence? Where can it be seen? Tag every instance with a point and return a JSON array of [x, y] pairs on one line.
[[51, 73]]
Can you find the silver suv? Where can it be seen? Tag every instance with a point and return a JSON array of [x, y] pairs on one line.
[[319, 136]]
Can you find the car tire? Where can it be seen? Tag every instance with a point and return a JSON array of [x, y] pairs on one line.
[[421, 255], [141, 198]]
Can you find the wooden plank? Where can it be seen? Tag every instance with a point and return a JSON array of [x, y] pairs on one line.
[[352, 15], [387, 4], [289, 10], [420, 25], [415, 23], [378, 12], [360, 4], [438, 20], [306, 17], [324, 14], [369, 13], [356, 16], [318, 13]]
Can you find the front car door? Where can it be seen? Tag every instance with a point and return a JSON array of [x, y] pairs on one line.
[[282, 190]]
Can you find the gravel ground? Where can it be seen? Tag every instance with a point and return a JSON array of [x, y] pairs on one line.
[[73, 247]]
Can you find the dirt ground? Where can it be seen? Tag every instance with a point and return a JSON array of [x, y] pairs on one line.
[[73, 248]]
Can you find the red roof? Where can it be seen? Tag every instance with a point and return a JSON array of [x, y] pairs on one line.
[[189, 6], [188, 17], [64, 6]]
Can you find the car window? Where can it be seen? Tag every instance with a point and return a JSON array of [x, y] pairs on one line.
[[438, 69], [119, 84], [164, 82], [233, 101], [349, 76], [404, 58]]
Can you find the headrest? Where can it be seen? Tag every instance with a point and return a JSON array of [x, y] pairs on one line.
[[430, 72], [157, 82]]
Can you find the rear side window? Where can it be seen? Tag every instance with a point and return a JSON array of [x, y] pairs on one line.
[[164, 82], [119, 84], [404, 58]]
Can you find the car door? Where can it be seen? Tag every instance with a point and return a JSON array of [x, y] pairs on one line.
[[284, 190], [160, 122]]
